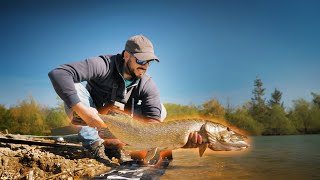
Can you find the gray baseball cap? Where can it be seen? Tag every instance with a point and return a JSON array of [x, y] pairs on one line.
[[141, 47]]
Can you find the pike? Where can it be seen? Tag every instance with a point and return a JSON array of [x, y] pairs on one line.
[[138, 135]]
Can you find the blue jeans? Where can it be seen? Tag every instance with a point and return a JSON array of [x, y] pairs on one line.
[[88, 135]]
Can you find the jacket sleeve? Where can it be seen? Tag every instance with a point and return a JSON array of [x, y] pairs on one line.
[[151, 106], [64, 76]]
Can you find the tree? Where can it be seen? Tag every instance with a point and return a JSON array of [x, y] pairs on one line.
[[3, 111], [242, 119], [30, 117], [258, 106], [315, 119], [212, 108], [301, 116], [316, 99], [177, 111], [275, 98], [25, 118], [229, 108], [56, 118], [277, 122], [9, 121]]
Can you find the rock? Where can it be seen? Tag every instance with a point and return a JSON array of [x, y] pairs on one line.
[[17, 161]]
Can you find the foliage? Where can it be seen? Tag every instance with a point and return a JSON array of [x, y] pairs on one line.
[[212, 109], [56, 118], [305, 116], [3, 111], [254, 117], [177, 111], [28, 117], [242, 119], [257, 118], [277, 122]]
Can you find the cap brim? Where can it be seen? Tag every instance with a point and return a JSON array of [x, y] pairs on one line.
[[146, 56]]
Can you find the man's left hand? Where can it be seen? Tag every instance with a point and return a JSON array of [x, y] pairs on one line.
[[194, 141]]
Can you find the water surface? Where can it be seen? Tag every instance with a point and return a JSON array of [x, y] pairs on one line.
[[269, 157]]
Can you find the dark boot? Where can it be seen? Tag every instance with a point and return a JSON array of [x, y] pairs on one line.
[[119, 154], [97, 150], [125, 157]]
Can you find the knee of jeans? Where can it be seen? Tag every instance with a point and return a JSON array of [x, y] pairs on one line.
[[84, 97]]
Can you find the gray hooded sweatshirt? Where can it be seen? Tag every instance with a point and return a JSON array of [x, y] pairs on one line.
[[102, 74]]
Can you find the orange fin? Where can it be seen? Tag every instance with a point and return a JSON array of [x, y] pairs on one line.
[[202, 148]]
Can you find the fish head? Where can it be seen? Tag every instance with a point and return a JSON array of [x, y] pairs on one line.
[[222, 138]]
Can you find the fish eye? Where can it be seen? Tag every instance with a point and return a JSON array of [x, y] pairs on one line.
[[228, 129]]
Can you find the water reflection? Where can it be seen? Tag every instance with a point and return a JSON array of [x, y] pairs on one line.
[[273, 157]]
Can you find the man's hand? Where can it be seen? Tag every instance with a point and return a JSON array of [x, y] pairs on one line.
[[89, 115], [194, 141]]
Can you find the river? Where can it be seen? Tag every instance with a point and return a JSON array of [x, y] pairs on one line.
[[269, 157]]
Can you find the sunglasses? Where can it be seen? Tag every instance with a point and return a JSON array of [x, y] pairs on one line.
[[142, 63]]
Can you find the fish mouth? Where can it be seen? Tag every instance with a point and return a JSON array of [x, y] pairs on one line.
[[228, 146]]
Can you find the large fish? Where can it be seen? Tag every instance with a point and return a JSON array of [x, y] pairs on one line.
[[171, 135]]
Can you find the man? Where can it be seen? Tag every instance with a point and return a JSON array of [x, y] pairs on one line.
[[115, 80]]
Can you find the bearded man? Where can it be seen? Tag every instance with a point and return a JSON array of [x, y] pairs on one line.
[[111, 81]]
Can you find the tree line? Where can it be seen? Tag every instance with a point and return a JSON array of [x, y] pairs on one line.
[[29, 117], [258, 116]]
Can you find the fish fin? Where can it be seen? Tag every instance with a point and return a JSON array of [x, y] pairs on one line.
[[150, 154], [202, 148], [204, 133], [207, 135]]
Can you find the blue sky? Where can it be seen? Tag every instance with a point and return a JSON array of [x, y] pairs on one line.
[[207, 48]]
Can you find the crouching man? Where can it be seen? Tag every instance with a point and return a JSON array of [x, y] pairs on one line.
[[112, 80]]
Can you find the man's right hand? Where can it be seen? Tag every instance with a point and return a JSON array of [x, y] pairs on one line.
[[194, 140], [89, 115]]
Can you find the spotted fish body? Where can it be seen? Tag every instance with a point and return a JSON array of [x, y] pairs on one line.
[[171, 135]]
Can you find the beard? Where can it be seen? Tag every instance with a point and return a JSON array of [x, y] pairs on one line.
[[136, 73]]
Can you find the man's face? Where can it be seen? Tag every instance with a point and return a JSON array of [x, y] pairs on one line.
[[134, 69]]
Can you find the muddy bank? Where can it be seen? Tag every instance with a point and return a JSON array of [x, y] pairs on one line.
[[21, 161]]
